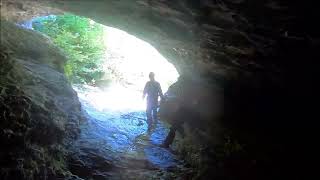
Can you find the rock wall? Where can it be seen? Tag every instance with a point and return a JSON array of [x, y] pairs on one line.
[[40, 112], [260, 54]]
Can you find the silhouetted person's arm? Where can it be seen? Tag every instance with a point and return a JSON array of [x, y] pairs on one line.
[[145, 91], [160, 92]]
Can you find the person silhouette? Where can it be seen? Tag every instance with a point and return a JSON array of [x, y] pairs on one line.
[[153, 90]]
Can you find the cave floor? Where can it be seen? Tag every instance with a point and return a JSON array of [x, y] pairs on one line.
[[115, 144]]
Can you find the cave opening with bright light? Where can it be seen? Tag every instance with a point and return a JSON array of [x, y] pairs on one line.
[[238, 78], [119, 73], [109, 68]]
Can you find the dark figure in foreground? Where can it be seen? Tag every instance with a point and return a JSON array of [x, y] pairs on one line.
[[180, 116], [176, 124], [153, 90], [177, 114]]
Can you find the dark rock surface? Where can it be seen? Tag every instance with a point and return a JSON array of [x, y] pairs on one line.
[[257, 57], [40, 112]]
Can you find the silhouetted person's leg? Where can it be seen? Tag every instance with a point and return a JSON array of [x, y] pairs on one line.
[[151, 111], [178, 120], [149, 116], [170, 137], [155, 114]]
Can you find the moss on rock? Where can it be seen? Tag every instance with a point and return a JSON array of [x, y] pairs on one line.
[[39, 109]]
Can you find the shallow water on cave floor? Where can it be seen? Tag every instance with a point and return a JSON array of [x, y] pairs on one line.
[[114, 142]]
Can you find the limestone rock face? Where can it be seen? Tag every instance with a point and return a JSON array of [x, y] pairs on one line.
[[40, 112]]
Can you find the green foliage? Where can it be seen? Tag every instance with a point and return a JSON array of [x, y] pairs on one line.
[[82, 41]]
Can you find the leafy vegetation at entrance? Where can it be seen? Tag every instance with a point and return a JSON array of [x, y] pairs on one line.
[[82, 41]]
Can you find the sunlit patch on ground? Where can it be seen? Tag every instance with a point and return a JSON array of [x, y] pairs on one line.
[[114, 98], [121, 129]]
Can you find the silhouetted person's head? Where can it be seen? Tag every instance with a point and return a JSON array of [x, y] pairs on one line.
[[151, 76]]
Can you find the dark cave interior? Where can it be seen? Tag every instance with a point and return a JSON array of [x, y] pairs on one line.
[[245, 93]]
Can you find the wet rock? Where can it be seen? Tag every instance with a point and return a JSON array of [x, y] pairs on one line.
[[198, 127], [40, 112], [261, 55]]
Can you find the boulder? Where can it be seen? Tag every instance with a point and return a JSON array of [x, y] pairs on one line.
[[40, 112]]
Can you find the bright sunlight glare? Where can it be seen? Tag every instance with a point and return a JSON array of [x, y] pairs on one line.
[[134, 59], [131, 59], [115, 98], [128, 62]]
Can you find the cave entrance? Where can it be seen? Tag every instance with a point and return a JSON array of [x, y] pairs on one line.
[[108, 67]]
